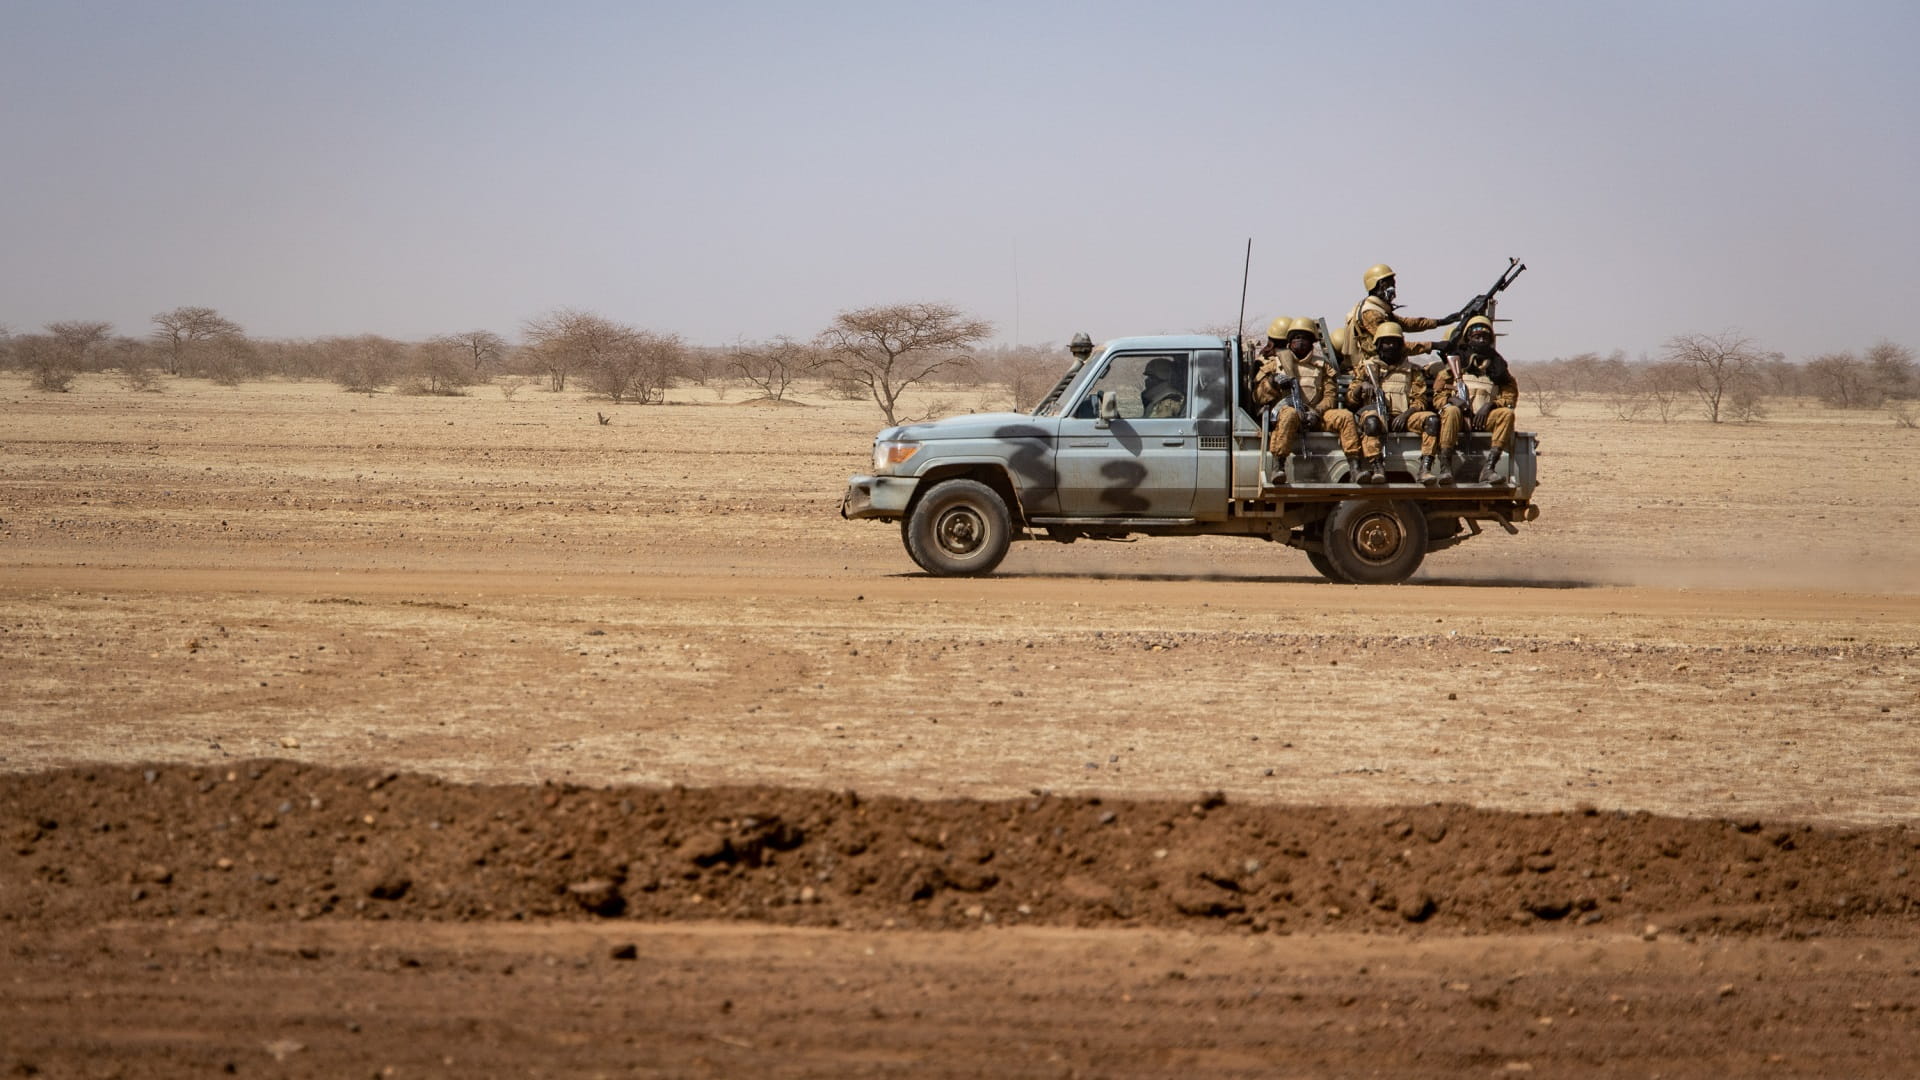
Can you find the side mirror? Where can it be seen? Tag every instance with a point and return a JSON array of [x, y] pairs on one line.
[[1109, 408]]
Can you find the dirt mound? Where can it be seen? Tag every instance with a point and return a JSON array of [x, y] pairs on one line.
[[278, 839]]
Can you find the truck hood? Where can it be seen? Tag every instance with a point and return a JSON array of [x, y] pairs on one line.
[[970, 426]]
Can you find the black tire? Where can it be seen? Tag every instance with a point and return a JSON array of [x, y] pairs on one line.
[[1375, 542], [959, 529], [1321, 563]]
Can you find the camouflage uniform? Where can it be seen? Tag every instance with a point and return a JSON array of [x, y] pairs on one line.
[[1321, 395], [1492, 394], [1163, 400], [1406, 389], [1365, 319]]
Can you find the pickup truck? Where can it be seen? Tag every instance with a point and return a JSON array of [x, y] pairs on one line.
[[1089, 464]]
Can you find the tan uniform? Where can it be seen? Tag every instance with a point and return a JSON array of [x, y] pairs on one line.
[[1482, 391], [1406, 390], [1365, 319], [1321, 395]]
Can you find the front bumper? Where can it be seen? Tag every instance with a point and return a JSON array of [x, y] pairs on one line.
[[877, 496]]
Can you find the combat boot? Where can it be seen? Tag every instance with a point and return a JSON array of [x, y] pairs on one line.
[[1376, 472], [1356, 469], [1444, 472], [1490, 472], [1279, 471], [1426, 470]]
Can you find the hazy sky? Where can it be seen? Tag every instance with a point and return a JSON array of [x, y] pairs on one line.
[[727, 170]]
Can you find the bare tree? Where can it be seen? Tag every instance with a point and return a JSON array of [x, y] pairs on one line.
[[483, 350], [134, 359], [46, 361], [1782, 378], [182, 331], [440, 365], [1026, 371], [365, 364], [1842, 381], [80, 339], [567, 342], [771, 366], [1718, 365], [884, 350], [637, 365], [1891, 368], [1667, 385]]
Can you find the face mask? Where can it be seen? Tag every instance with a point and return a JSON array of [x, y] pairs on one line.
[[1388, 293]]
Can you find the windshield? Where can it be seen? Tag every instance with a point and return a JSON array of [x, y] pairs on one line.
[[1051, 404]]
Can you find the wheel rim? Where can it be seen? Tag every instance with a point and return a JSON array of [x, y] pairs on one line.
[[960, 531], [1377, 537]]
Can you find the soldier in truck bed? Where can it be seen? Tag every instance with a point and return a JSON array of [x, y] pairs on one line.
[[1492, 393], [1405, 386], [1297, 339], [1376, 308]]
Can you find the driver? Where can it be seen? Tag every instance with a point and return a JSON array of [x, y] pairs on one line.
[[1164, 394]]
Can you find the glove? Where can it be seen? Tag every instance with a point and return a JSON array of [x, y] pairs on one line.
[[1450, 319], [1282, 383]]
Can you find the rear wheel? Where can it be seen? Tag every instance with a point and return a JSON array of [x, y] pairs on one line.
[[959, 529], [1375, 542]]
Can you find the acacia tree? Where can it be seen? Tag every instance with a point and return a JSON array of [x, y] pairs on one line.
[[1720, 368], [565, 342], [771, 366], [366, 363], [884, 350], [184, 332], [1841, 380], [1891, 368], [440, 366], [639, 365], [483, 350], [1667, 384]]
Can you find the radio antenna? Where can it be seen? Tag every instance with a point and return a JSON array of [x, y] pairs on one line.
[[1240, 324]]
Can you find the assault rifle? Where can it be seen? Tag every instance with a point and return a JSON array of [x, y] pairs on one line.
[[1292, 366], [1478, 306], [1379, 398]]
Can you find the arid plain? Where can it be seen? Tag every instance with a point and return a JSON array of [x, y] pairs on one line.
[[1632, 792]]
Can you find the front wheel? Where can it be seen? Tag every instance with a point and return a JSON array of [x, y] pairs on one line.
[[1375, 542], [959, 529], [1325, 567]]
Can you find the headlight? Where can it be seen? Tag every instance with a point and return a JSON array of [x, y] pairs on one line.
[[888, 454]]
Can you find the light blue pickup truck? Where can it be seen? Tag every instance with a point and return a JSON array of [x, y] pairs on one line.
[[1089, 463]]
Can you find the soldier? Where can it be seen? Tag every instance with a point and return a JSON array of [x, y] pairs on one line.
[[1165, 391], [1363, 322], [1405, 387], [1491, 394], [1081, 348], [1299, 359]]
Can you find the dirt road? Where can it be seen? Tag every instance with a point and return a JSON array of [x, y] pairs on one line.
[[491, 592]]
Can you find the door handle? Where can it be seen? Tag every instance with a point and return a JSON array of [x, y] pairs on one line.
[[1173, 442]]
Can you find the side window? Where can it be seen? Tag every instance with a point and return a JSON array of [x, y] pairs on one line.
[[1210, 383], [1147, 386]]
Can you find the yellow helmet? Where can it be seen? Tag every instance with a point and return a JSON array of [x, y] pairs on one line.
[[1477, 320], [1375, 274], [1389, 330], [1305, 325], [1278, 328]]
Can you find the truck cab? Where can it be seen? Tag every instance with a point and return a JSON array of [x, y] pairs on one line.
[[1156, 436]]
